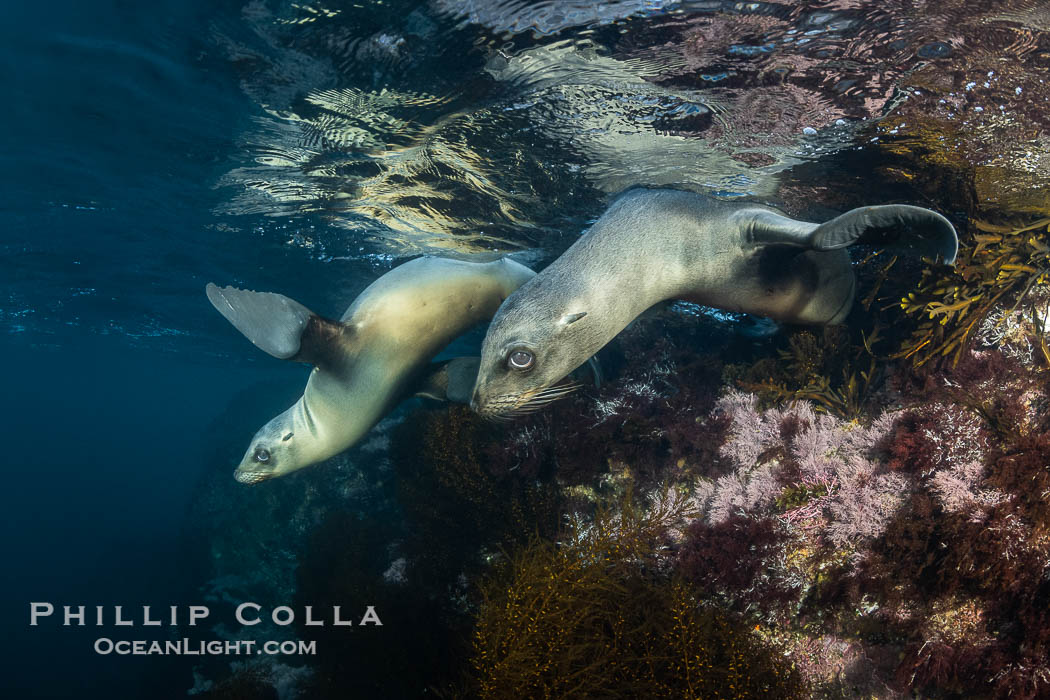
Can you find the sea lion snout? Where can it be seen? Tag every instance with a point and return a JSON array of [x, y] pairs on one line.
[[250, 477], [491, 408]]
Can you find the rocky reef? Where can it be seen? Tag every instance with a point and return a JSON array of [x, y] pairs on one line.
[[860, 510], [693, 526]]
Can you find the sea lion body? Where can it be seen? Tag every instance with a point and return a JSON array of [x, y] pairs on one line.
[[365, 362], [655, 245]]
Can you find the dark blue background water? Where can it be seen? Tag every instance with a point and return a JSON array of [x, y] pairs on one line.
[[120, 120], [117, 122]]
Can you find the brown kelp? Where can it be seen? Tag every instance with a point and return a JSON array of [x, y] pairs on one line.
[[1002, 267], [834, 371], [596, 615]]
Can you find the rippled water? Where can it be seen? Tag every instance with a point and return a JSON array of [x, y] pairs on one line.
[[538, 110], [201, 143]]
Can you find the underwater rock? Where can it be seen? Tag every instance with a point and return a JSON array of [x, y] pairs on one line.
[[908, 538]]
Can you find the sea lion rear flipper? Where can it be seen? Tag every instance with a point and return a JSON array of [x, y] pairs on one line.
[[897, 227], [277, 325], [449, 380]]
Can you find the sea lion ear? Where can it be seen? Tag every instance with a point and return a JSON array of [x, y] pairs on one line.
[[897, 227], [568, 319], [279, 326]]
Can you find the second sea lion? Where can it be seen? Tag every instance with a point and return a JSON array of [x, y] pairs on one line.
[[653, 245]]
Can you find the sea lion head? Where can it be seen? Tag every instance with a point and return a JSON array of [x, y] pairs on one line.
[[527, 353], [274, 451]]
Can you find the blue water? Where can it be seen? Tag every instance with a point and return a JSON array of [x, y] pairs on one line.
[[119, 123], [115, 127]]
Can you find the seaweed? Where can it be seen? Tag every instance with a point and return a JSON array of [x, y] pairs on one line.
[[598, 616], [914, 545], [805, 369], [1002, 267], [460, 497], [731, 561], [423, 638]]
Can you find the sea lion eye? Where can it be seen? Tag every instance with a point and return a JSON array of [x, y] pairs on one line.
[[261, 454], [521, 360]]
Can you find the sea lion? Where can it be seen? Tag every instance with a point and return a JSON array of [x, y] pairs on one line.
[[369, 359], [653, 245]]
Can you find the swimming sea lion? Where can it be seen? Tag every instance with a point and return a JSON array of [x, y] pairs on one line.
[[369, 359], [653, 245]]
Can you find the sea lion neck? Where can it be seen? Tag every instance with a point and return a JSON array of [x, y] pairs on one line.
[[609, 253]]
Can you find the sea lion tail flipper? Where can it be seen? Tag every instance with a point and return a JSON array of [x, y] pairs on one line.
[[276, 324], [769, 227], [898, 227], [449, 380]]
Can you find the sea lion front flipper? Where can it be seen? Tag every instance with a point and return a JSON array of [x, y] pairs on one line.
[[898, 227], [277, 325], [589, 371], [449, 380]]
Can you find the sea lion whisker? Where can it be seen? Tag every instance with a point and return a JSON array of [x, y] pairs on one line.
[[548, 395], [563, 388], [538, 399], [547, 399]]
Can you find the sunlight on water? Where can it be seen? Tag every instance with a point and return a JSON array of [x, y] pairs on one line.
[[552, 106], [380, 130]]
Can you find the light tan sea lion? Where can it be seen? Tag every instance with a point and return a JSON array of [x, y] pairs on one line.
[[369, 359]]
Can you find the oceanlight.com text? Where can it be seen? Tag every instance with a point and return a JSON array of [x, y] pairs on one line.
[[215, 647]]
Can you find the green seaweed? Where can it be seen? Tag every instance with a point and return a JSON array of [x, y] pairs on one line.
[[793, 497], [596, 616], [806, 368]]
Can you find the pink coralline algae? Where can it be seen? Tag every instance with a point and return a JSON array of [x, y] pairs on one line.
[[859, 475], [917, 539]]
